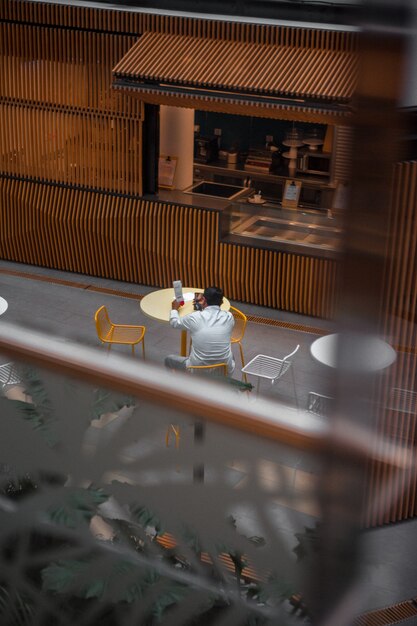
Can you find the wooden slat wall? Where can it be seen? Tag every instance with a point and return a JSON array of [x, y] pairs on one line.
[[152, 243], [83, 149], [61, 120], [106, 235], [279, 280], [137, 23], [392, 494], [63, 68], [68, 136], [342, 154]]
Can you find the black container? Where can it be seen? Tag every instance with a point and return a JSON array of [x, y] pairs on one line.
[[206, 149]]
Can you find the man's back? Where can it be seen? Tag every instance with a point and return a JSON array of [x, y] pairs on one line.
[[211, 337], [210, 331], [210, 328]]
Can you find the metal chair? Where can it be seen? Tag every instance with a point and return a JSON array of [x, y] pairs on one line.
[[118, 333], [318, 404], [9, 375], [403, 400], [239, 332], [273, 369]]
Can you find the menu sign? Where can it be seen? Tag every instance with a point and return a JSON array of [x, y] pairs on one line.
[[166, 171], [291, 194]]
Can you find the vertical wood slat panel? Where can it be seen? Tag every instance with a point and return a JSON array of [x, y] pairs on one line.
[[129, 22], [290, 276], [399, 321], [96, 225], [70, 147]]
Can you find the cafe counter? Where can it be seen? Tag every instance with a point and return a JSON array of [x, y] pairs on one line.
[[265, 255]]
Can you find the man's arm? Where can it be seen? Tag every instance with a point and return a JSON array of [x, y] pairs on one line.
[[176, 321]]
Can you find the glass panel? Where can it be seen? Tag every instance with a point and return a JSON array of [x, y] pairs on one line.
[[117, 509]]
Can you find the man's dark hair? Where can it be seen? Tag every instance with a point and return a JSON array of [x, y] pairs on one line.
[[213, 296]]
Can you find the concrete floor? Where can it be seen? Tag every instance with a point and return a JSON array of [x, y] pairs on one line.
[[64, 304]]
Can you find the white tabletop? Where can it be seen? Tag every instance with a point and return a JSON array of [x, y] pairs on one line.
[[362, 353], [157, 304], [3, 305]]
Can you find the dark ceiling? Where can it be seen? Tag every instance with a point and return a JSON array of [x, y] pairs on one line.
[[337, 12]]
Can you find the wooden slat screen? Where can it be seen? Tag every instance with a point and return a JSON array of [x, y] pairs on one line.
[[61, 120], [153, 243], [342, 154], [246, 68], [397, 417], [137, 23], [63, 68], [106, 235], [279, 280], [84, 149]]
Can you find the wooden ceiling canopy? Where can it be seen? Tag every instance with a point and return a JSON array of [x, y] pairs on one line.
[[183, 70]]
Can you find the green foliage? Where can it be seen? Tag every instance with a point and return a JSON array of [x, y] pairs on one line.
[[17, 606], [78, 506], [103, 575], [145, 517], [39, 411], [105, 401], [122, 582]]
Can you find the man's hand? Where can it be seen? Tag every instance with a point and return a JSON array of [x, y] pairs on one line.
[[175, 305]]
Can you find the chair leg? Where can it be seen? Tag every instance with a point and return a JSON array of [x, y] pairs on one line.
[[176, 430], [143, 349], [293, 382], [244, 377], [133, 349]]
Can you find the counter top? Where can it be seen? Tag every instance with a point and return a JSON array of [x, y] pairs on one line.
[[220, 204], [189, 199]]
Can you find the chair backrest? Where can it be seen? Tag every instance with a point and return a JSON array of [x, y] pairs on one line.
[[216, 368], [103, 323], [319, 404], [9, 374], [286, 358], [403, 400], [240, 324], [286, 363]]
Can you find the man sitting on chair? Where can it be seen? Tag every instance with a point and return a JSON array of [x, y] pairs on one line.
[[210, 329]]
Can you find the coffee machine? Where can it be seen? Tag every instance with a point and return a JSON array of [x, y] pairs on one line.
[[206, 149]]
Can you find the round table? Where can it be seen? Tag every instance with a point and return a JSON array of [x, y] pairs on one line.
[[364, 353], [3, 305], [157, 305]]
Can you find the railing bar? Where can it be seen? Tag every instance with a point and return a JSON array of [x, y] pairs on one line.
[[291, 427]]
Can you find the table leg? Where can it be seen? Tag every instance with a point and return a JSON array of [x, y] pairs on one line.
[[183, 350]]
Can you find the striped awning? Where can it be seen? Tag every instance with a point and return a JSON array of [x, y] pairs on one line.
[[265, 74]]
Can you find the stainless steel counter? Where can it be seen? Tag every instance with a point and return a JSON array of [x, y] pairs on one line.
[[302, 230]]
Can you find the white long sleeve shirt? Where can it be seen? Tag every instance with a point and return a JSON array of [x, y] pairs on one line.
[[210, 331]]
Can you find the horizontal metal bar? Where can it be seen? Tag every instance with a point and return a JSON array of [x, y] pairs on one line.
[[182, 392]]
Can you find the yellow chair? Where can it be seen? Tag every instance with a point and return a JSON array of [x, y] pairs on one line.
[[203, 368], [118, 333], [239, 332], [175, 428]]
